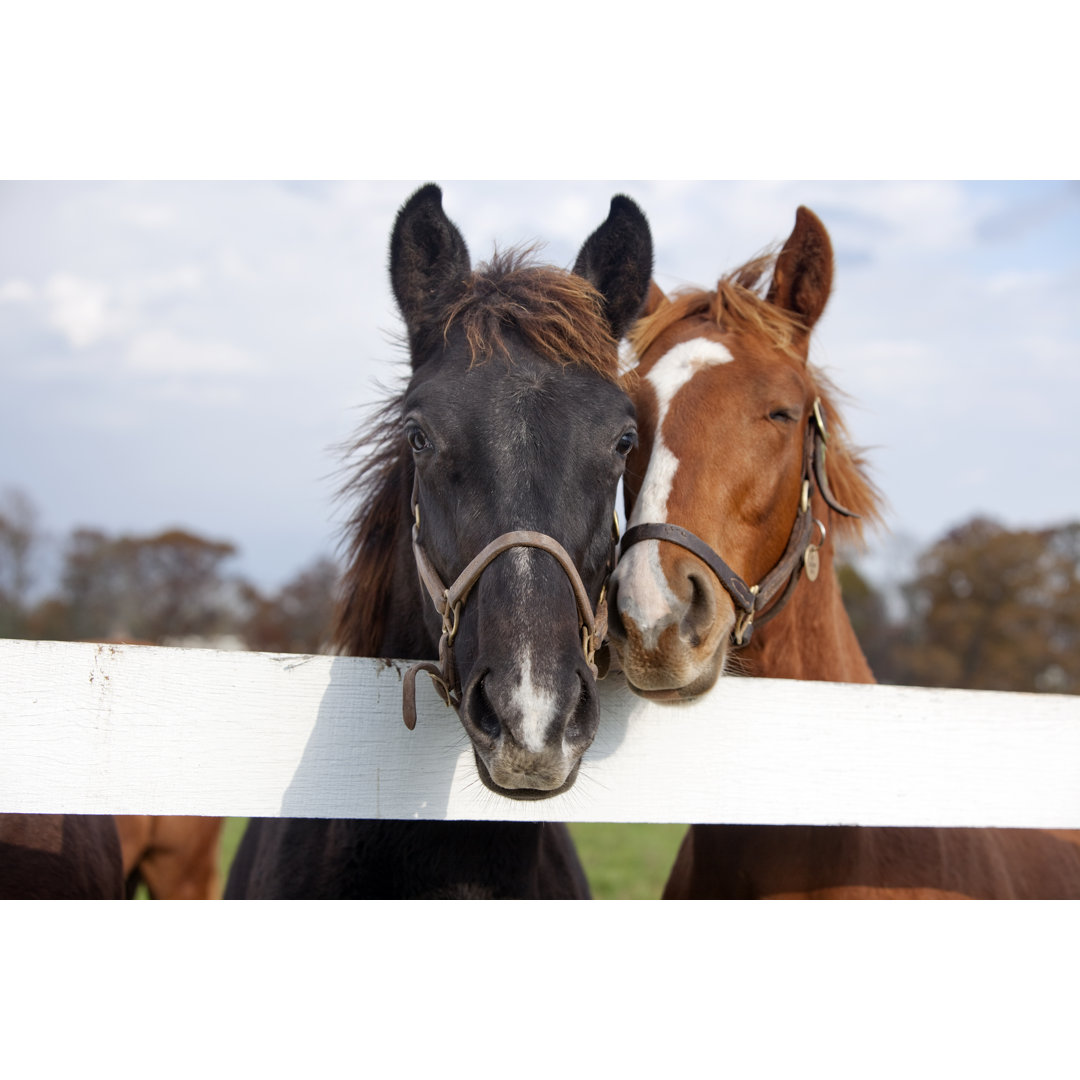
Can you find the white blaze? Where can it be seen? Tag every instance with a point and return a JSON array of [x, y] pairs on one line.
[[536, 707], [644, 595]]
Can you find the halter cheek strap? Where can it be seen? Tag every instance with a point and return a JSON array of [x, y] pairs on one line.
[[752, 601]]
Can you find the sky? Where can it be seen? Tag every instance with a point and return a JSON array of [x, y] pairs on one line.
[[191, 353]]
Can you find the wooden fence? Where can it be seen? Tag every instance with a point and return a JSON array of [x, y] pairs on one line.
[[133, 729]]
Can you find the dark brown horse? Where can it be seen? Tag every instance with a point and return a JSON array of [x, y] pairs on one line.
[[59, 857], [513, 431], [728, 564]]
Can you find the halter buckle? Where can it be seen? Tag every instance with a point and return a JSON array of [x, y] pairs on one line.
[[744, 623], [450, 629]]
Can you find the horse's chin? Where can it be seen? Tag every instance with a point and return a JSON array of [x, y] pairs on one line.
[[688, 686], [524, 794]]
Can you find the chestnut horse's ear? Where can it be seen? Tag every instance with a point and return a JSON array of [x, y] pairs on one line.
[[617, 260], [654, 301], [802, 279], [429, 263]]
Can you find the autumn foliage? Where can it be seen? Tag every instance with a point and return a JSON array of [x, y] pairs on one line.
[[987, 608], [171, 587]]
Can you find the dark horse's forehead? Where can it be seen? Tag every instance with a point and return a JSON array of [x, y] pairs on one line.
[[520, 442], [502, 393]]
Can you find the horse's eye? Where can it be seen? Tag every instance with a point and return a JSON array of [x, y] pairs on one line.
[[417, 439], [783, 415], [626, 443]]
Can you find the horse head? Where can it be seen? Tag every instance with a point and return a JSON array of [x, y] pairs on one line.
[[517, 433], [731, 460]]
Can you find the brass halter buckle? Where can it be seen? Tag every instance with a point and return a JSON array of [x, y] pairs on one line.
[[744, 623]]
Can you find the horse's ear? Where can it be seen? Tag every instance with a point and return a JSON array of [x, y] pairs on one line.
[[428, 263], [802, 279], [654, 301], [617, 260]]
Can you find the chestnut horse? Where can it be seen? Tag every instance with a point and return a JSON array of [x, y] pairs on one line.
[[728, 565], [496, 472], [175, 856]]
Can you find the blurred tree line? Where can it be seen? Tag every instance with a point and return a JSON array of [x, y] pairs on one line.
[[171, 587], [988, 608]]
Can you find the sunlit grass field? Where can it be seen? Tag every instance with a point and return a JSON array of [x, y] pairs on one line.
[[623, 862]]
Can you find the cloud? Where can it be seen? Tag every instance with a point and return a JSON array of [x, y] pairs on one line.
[[86, 311], [150, 216], [80, 309], [163, 352]]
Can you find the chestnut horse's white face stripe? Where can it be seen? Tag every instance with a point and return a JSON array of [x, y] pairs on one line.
[[667, 377], [652, 600]]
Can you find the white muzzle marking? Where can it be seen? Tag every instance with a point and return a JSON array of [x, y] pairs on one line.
[[536, 708]]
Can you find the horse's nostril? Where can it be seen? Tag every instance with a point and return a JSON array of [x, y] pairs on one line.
[[700, 611], [483, 713], [580, 725], [697, 592]]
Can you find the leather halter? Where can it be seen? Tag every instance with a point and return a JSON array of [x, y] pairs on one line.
[[449, 601], [778, 583]]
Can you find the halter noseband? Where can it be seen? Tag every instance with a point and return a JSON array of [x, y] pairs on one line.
[[449, 601], [751, 601]]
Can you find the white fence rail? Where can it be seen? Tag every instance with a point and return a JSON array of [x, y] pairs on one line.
[[134, 729]]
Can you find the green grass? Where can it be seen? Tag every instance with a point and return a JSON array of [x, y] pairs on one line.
[[623, 862], [627, 862], [231, 835]]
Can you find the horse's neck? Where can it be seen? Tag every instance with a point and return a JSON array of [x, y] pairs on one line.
[[812, 638], [385, 612]]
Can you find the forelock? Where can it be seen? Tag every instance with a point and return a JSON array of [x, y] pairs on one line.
[[558, 314]]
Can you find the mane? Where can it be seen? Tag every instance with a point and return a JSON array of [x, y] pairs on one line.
[[370, 537], [739, 304], [559, 315], [847, 468]]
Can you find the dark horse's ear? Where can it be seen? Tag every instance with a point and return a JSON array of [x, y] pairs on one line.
[[429, 263], [617, 260], [802, 279]]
